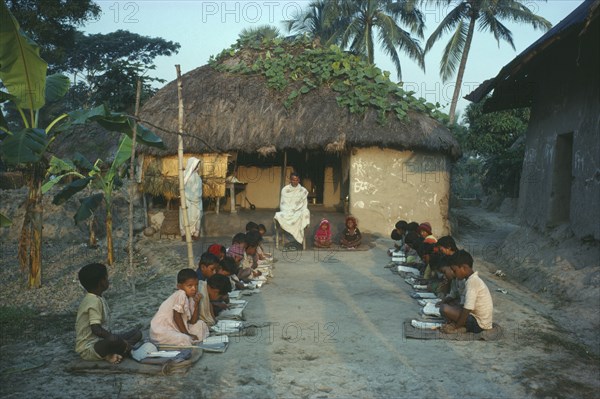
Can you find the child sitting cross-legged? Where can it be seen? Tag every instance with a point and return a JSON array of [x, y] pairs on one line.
[[94, 341], [323, 235], [351, 236], [177, 321], [475, 315]]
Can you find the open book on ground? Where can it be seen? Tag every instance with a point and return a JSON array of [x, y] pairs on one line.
[[423, 295], [216, 343], [426, 325], [431, 310], [234, 313], [227, 327], [407, 269]]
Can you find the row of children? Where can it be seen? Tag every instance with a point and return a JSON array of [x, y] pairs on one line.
[[463, 299], [350, 237], [185, 317]]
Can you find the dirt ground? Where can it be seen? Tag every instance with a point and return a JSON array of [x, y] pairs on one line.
[[334, 328]]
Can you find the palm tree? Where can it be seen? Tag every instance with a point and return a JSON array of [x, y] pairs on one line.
[[365, 16], [462, 19], [321, 20], [259, 33]]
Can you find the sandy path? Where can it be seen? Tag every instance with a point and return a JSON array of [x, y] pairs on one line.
[[336, 331]]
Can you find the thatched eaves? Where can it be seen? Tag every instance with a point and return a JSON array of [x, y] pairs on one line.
[[234, 112]]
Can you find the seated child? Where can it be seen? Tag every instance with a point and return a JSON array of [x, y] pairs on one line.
[[207, 266], [218, 250], [351, 236], [93, 339], [264, 256], [215, 289], [323, 235], [411, 242], [425, 252], [424, 230], [250, 260], [229, 270], [475, 315], [398, 234], [177, 321], [456, 295], [446, 246]]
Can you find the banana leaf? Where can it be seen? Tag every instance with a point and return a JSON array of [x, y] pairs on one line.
[[57, 86], [87, 207], [4, 221], [22, 70], [71, 189], [25, 146]]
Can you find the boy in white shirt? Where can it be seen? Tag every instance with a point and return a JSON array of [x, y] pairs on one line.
[[475, 315]]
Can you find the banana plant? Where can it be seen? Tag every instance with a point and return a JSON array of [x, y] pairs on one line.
[[23, 74], [96, 178]]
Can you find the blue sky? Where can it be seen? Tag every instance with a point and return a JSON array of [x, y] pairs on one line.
[[204, 28]]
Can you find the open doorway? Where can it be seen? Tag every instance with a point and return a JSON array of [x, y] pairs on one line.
[[562, 177]]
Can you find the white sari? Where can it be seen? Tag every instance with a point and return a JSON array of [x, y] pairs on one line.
[[193, 198], [294, 215]]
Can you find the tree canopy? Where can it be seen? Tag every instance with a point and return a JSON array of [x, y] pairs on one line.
[[52, 24]]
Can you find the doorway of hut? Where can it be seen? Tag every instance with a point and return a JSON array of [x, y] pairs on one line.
[[320, 173]]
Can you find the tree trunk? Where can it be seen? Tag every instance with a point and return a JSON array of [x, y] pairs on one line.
[[186, 222], [92, 241], [30, 243], [461, 68], [110, 258], [132, 173]]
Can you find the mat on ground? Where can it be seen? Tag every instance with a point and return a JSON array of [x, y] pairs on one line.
[[493, 334]]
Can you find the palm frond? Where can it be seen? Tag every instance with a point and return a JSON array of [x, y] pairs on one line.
[[449, 23], [515, 11], [453, 51], [488, 22]]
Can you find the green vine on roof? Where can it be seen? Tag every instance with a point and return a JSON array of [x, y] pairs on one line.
[[298, 67]]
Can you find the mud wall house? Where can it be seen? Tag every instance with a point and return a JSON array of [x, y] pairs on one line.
[[349, 162], [557, 76]]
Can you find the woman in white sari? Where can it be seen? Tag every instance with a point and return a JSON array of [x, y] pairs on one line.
[[193, 198], [293, 215]]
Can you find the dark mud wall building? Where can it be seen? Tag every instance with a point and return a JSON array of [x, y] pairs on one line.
[[558, 77]]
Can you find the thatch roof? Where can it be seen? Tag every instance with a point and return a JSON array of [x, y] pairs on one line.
[[235, 112]]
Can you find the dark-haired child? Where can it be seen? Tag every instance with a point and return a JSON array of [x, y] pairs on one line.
[[177, 321], [398, 233], [93, 340], [229, 269], [237, 248], [265, 257], [215, 289], [251, 226], [475, 315], [207, 266], [446, 245], [351, 236]]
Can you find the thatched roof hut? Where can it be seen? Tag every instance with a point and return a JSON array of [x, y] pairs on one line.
[[230, 106], [238, 112]]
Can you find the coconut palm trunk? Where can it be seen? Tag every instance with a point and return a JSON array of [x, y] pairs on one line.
[[462, 66]]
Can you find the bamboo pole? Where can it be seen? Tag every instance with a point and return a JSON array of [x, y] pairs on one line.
[[186, 222], [138, 95]]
